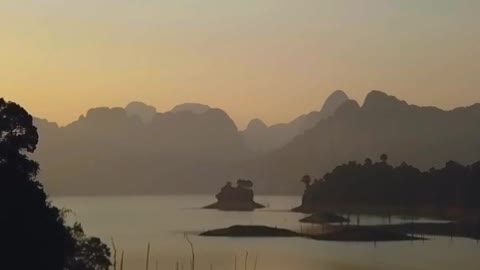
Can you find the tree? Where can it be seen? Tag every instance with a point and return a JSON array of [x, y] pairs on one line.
[[306, 179], [17, 131], [384, 158], [17, 137], [247, 184], [454, 186], [90, 252], [368, 162], [34, 234]]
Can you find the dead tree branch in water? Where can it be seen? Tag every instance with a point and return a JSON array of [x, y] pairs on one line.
[[192, 250], [114, 254], [246, 259], [121, 260], [148, 257]]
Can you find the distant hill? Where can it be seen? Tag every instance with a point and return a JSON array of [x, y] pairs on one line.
[[191, 107], [194, 148], [261, 138], [423, 136], [115, 151], [143, 111]]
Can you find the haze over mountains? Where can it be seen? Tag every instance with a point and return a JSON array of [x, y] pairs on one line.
[[423, 136], [195, 148], [111, 150], [259, 137]]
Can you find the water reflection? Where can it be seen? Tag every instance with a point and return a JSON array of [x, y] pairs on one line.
[[162, 220]]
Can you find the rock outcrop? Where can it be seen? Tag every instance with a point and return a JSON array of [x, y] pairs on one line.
[[239, 198]]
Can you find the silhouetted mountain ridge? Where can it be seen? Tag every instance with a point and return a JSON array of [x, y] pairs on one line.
[[108, 151], [262, 138], [424, 136], [196, 108], [112, 151], [143, 111], [256, 124]]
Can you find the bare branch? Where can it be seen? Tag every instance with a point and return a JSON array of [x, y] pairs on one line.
[[192, 250], [114, 254]]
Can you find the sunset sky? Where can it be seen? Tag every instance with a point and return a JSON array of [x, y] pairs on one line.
[[268, 59]]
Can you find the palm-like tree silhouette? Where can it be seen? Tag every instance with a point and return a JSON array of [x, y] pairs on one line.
[[384, 158]]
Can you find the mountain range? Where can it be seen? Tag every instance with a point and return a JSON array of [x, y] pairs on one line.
[[259, 137], [423, 136], [137, 150], [196, 148]]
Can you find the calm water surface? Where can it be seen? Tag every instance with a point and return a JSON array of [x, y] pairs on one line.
[[163, 220]]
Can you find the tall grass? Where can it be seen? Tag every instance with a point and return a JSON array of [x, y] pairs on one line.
[[178, 265]]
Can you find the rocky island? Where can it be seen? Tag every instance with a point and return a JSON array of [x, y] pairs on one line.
[[251, 231], [239, 198], [364, 234], [324, 218], [339, 234]]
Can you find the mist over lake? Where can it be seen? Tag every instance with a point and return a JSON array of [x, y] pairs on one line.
[[134, 221]]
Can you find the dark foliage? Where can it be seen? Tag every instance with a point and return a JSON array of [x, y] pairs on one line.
[[243, 192], [90, 252], [239, 198], [454, 186], [250, 231], [33, 232]]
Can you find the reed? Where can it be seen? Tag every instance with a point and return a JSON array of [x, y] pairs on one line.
[[148, 257], [121, 260], [246, 259], [178, 264], [192, 249], [114, 254]]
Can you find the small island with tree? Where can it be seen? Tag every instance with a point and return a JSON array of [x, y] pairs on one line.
[[239, 198], [449, 194], [251, 231]]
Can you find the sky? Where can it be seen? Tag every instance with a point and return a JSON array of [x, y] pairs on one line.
[[266, 59]]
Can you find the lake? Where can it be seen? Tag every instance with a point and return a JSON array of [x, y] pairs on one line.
[[134, 221]]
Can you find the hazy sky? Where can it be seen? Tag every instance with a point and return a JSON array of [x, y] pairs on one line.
[[267, 59]]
